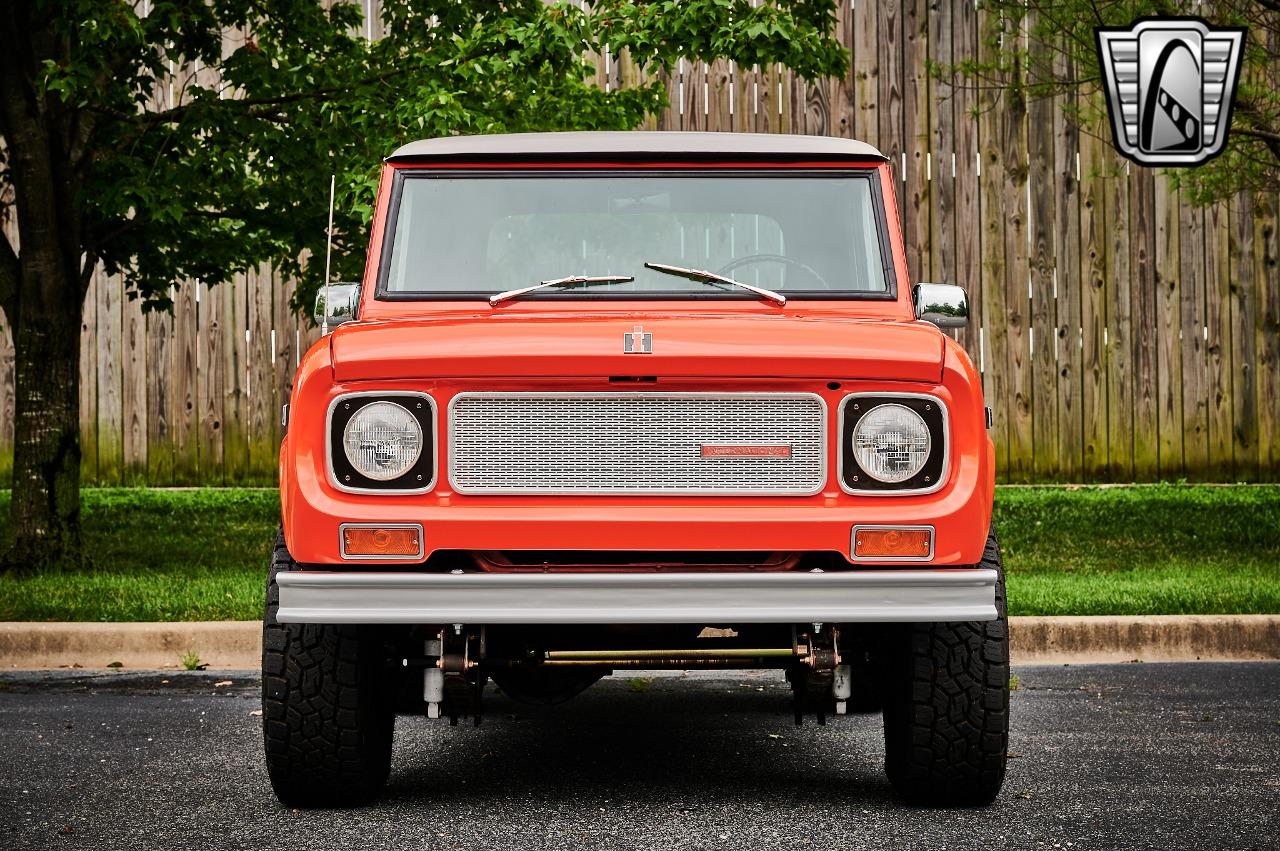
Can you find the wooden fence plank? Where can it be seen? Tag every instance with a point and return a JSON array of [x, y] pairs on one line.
[[1042, 338], [1218, 342], [743, 82], [134, 393], [1094, 232], [866, 72], [261, 382], [1117, 334], [669, 119], [1244, 340], [159, 398], [1143, 328], [110, 380], [186, 416], [213, 339], [817, 107], [992, 174], [764, 98], [916, 138], [1194, 358], [843, 113], [787, 106], [695, 96], [1017, 349], [88, 386], [1067, 283], [959, 160], [719, 97], [941, 146], [235, 313], [1267, 280], [284, 341], [890, 83], [1168, 304]]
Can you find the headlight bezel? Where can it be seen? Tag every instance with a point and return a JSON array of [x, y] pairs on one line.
[[930, 477], [419, 478]]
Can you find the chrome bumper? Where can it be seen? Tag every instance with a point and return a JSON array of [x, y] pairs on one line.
[[964, 594]]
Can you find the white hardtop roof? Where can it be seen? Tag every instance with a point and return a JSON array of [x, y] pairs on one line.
[[636, 145]]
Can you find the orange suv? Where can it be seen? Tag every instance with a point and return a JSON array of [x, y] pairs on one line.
[[609, 401]]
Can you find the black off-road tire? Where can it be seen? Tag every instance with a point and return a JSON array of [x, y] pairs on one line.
[[327, 708], [946, 714]]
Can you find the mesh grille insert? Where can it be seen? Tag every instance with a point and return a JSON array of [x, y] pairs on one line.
[[635, 443]]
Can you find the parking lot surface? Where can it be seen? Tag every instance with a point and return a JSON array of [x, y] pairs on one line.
[[1102, 756]]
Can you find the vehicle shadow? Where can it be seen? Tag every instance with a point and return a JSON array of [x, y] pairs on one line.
[[667, 741]]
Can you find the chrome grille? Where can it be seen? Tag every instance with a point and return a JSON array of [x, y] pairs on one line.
[[634, 443]]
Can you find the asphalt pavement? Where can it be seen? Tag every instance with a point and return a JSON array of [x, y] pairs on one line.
[[1164, 756]]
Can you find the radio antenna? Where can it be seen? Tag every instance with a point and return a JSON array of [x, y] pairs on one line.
[[328, 257]]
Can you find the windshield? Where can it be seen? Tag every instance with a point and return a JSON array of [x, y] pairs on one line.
[[475, 235]]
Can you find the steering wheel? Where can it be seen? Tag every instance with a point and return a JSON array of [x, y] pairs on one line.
[[750, 259]]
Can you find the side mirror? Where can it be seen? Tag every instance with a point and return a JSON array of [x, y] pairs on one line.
[[336, 303], [945, 305]]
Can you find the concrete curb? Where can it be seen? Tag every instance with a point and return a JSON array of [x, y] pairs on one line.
[[1150, 638], [221, 644], [1035, 640]]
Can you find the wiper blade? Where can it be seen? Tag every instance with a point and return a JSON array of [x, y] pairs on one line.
[[571, 281], [705, 277]]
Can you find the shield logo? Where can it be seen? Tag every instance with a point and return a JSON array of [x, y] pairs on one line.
[[1170, 86], [637, 342]]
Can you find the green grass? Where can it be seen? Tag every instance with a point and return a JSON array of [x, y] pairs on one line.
[[1150, 549], [156, 555], [173, 555]]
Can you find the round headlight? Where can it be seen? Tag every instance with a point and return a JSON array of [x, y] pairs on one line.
[[382, 441], [891, 443]]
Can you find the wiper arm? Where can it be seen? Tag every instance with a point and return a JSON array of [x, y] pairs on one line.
[[571, 281], [705, 277]]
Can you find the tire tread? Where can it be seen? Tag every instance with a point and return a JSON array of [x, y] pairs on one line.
[[327, 719], [947, 711]]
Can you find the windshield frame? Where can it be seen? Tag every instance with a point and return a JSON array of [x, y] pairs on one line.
[[783, 172]]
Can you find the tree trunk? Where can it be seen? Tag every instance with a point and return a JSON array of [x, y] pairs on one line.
[[42, 289], [44, 515]]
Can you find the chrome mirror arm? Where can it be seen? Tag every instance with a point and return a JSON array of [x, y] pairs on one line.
[[945, 305], [336, 303]]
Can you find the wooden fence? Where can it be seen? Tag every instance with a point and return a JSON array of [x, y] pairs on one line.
[[1121, 333]]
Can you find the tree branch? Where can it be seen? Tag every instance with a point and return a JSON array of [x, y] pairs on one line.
[[177, 113], [1271, 140]]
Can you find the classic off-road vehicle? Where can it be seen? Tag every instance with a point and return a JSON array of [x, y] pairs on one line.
[[636, 400]]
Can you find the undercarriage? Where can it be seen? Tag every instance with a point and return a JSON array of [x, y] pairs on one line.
[[551, 665]]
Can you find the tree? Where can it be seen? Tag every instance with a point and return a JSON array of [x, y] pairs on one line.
[[174, 140], [1037, 48]]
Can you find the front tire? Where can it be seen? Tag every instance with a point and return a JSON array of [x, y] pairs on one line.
[[946, 714], [327, 707]]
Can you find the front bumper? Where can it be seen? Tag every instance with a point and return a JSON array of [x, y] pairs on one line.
[[966, 594]]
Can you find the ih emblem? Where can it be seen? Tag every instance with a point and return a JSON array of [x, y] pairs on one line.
[[637, 342], [1170, 85]]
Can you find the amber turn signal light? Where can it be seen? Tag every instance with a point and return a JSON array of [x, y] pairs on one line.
[[891, 542], [381, 541]]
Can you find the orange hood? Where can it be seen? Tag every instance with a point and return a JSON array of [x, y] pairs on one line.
[[698, 345]]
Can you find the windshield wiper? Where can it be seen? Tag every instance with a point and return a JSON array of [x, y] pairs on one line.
[[571, 281], [704, 277]]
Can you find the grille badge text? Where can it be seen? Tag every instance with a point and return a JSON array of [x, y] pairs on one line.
[[740, 450]]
